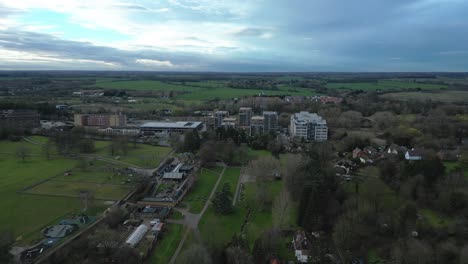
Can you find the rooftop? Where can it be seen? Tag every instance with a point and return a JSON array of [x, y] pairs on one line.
[[174, 125], [307, 117]]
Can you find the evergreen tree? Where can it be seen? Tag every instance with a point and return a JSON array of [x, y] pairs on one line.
[[222, 201]]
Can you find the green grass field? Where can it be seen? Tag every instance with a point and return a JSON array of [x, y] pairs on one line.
[[72, 189], [201, 91], [143, 155], [385, 85], [25, 214], [167, 246], [200, 192]]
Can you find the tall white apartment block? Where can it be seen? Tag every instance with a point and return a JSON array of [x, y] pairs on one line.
[[309, 126]]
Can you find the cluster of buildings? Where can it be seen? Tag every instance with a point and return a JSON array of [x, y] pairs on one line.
[[19, 119], [247, 121], [303, 125]]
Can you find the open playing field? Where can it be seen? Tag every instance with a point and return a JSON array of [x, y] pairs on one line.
[[25, 214], [142, 155], [385, 85]]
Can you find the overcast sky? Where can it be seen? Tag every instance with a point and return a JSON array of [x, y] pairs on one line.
[[234, 35]]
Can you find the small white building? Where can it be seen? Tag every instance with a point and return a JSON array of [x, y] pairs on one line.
[[413, 154], [137, 235]]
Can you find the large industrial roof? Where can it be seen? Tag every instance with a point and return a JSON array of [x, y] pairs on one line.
[[171, 125]]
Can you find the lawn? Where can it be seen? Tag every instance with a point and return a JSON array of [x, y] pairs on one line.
[[219, 229], [23, 213], [231, 176], [198, 195], [142, 155], [385, 85], [72, 189], [166, 247], [435, 219], [26, 214]]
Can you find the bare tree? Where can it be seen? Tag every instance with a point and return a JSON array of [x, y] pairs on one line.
[[23, 152], [263, 170], [106, 238], [281, 209], [238, 255]]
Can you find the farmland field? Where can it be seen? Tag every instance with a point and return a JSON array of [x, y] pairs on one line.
[[200, 91], [385, 84]]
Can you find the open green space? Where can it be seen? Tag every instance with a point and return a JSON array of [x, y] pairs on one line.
[[73, 189], [385, 85], [93, 177], [445, 97], [200, 192], [231, 176], [164, 249], [435, 219], [204, 90], [142, 155], [219, 229], [146, 85], [23, 213]]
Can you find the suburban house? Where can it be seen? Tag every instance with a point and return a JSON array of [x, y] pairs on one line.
[[413, 154], [301, 246]]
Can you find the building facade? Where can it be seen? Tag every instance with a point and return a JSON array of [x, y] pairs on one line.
[[218, 118], [270, 122], [100, 120], [257, 125], [245, 114], [309, 126], [20, 119], [170, 127]]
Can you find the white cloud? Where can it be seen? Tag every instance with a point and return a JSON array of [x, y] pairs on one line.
[[155, 63]]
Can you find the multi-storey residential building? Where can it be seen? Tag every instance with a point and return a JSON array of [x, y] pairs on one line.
[[218, 118], [309, 126], [100, 120], [257, 125], [229, 122], [270, 123], [245, 114], [20, 119]]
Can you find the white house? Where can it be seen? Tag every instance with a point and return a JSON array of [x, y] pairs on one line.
[[413, 154]]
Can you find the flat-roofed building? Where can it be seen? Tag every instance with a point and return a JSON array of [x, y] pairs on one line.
[[218, 118], [270, 123], [245, 114], [256, 125], [308, 126], [167, 127], [20, 118], [229, 122], [100, 120]]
